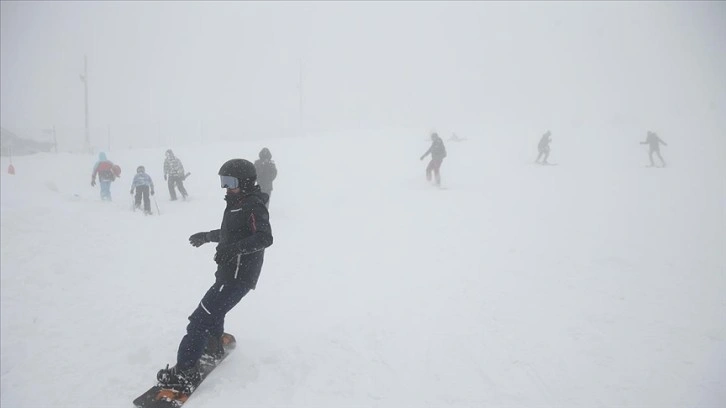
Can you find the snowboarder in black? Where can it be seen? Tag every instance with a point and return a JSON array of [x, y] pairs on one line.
[[654, 142], [174, 173], [438, 153], [143, 185], [241, 241], [266, 172], [544, 147]]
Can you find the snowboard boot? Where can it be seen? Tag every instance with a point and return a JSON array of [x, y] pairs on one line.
[[179, 380], [215, 348]]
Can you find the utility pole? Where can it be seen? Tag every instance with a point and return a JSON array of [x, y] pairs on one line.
[[84, 79], [302, 123]]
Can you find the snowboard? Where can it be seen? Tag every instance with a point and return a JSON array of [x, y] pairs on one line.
[[159, 397]]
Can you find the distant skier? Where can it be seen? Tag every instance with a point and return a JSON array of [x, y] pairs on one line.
[[174, 173], [654, 142], [438, 153], [544, 147], [143, 185], [266, 172], [244, 234], [104, 168]]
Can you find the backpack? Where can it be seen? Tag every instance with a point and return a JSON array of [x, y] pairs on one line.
[[106, 172]]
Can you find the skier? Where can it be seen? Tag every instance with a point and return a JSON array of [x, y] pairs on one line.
[[544, 147], [266, 172], [438, 153], [104, 169], [143, 184], [174, 173], [654, 142], [244, 234]]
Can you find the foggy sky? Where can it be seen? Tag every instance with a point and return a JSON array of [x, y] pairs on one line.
[[364, 64]]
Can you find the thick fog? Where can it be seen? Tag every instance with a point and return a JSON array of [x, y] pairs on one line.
[[235, 69]]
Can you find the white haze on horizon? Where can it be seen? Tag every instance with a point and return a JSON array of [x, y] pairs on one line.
[[235, 66]]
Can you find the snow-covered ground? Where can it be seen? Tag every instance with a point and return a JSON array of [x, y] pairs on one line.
[[595, 283]]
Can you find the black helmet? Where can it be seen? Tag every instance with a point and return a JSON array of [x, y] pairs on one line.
[[169, 153], [242, 170], [265, 154], [140, 169]]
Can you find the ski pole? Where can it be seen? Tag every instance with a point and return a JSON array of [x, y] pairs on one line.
[[157, 206]]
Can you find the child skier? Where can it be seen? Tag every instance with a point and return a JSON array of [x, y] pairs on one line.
[[144, 185]]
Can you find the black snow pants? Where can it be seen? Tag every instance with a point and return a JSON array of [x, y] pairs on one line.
[[207, 320]]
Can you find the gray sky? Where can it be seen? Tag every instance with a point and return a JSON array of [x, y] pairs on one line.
[[365, 64]]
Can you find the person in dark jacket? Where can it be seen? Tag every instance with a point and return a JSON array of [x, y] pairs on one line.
[[438, 153], [544, 147], [266, 172], [654, 142], [241, 241], [143, 185], [174, 173]]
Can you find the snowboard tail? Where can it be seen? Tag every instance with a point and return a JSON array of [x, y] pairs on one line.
[[160, 397]]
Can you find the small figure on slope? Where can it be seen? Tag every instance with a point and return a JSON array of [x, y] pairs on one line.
[[143, 185], [174, 174], [107, 173], [544, 147], [654, 142], [266, 172], [438, 153]]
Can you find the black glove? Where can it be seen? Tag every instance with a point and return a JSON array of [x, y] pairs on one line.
[[93, 183], [152, 192], [198, 239], [164, 176], [225, 253], [132, 191]]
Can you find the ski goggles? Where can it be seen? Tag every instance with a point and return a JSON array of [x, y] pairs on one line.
[[229, 181]]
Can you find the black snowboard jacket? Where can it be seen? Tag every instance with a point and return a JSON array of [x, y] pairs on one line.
[[245, 230]]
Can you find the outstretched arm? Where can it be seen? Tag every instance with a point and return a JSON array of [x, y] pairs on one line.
[[427, 152], [213, 235]]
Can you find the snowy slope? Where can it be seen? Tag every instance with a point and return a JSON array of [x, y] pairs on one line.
[[594, 283]]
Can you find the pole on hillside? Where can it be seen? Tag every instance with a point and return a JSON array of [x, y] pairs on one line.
[[300, 86], [84, 79]]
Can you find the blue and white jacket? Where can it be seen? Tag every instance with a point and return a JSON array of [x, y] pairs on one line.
[[142, 179]]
